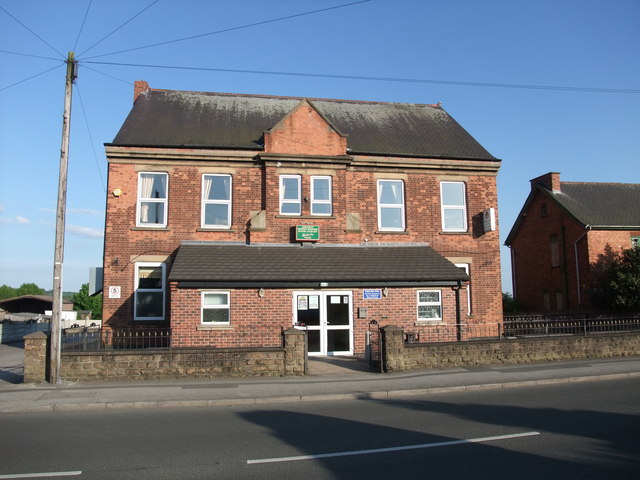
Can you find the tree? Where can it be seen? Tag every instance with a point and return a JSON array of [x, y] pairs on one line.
[[7, 292], [510, 304], [29, 289], [616, 279], [83, 301]]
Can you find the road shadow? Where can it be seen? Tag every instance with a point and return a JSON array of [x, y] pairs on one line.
[[12, 362], [440, 456]]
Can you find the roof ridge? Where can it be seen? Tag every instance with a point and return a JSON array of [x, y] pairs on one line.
[[598, 183], [286, 97]]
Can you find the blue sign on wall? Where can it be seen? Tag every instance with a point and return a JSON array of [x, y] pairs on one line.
[[372, 294]]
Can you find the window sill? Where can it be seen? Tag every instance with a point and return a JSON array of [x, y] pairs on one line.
[[214, 229], [306, 217], [466, 232], [214, 327], [422, 323], [157, 229], [391, 232]]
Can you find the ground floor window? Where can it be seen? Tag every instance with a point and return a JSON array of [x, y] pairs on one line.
[[215, 308], [149, 291], [429, 305]]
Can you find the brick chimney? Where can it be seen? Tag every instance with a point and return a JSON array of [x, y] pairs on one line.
[[139, 86], [550, 180]]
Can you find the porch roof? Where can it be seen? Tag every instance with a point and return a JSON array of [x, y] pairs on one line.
[[212, 265]]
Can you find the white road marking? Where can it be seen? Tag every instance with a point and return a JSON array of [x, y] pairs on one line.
[[41, 475], [393, 449]]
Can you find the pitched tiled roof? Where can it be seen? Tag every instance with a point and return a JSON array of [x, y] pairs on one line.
[[353, 265], [604, 206], [601, 204], [166, 118]]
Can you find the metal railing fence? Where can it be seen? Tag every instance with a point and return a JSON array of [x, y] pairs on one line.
[[94, 339]]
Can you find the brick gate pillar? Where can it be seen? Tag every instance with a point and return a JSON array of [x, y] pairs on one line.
[[392, 348], [36, 357]]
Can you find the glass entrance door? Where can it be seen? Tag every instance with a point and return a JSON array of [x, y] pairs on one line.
[[328, 319]]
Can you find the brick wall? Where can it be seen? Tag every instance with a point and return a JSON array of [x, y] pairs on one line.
[[288, 359], [255, 188], [257, 321], [402, 356]]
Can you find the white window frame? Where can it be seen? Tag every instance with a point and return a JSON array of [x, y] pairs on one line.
[[419, 304], [399, 207], [149, 290], [226, 306], [465, 267], [463, 208], [206, 202], [141, 200], [315, 201], [297, 201]]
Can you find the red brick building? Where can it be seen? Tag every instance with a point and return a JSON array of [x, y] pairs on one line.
[[561, 231], [231, 217]]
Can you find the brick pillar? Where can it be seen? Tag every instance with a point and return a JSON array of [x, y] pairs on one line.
[[36, 357], [392, 348], [295, 351]]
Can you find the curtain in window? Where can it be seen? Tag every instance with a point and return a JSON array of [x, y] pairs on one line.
[[146, 188], [206, 186]]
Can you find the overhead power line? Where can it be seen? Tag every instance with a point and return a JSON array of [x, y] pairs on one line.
[[86, 13], [93, 147], [382, 79], [29, 55], [192, 37], [29, 78], [34, 33], [114, 31]]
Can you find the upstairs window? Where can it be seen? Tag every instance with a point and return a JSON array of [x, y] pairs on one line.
[[216, 201], [454, 207], [152, 199], [321, 196], [290, 198], [391, 205], [429, 305], [149, 291]]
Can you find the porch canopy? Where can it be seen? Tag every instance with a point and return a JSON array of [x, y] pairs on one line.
[[209, 265]]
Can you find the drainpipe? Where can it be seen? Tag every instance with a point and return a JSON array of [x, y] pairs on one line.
[[458, 319], [575, 250]]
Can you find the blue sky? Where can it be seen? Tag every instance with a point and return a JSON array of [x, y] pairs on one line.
[[585, 135]]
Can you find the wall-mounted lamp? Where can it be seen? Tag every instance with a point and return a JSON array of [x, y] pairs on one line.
[[117, 192], [261, 293], [385, 291]]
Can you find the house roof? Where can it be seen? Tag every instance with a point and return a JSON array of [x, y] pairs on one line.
[[40, 298], [599, 206], [178, 119], [202, 264]]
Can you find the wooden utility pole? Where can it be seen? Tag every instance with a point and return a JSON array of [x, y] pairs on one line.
[[56, 319]]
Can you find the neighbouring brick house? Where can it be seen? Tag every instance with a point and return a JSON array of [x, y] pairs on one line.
[[561, 231], [232, 217]]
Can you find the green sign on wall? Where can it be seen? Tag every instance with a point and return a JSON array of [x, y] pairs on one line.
[[307, 233]]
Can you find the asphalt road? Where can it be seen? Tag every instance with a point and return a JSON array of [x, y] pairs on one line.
[[584, 430]]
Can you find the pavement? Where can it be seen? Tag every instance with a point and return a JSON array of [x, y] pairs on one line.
[[330, 378]]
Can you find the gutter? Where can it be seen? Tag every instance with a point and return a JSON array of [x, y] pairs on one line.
[[575, 250], [315, 284]]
